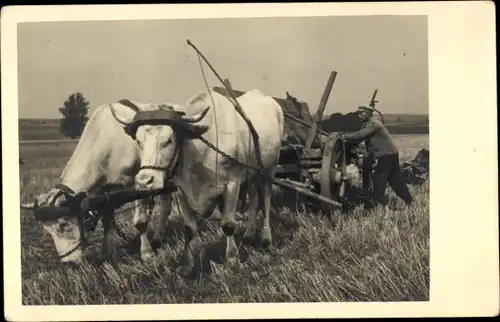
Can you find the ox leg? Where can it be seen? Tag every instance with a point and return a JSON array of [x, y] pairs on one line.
[[141, 224], [192, 240], [243, 198], [107, 224], [228, 222], [266, 237], [164, 208], [251, 229]]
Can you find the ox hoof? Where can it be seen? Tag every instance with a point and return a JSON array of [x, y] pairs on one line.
[[232, 262], [156, 244], [184, 270], [217, 269], [187, 264], [266, 243], [248, 240], [104, 258], [106, 255], [265, 238], [147, 256]]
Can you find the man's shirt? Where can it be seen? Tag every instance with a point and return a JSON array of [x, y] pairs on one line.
[[378, 139]]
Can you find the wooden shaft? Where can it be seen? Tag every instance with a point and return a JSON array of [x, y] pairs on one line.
[[307, 192], [321, 110], [296, 119]]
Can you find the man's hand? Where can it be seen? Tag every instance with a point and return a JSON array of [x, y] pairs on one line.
[[363, 133]]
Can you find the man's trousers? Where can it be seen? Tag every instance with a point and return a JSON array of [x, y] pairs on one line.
[[387, 171]]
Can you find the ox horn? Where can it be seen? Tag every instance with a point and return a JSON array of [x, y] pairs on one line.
[[29, 205], [196, 117], [123, 121]]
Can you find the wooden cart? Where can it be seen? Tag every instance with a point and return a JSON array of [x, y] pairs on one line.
[[314, 165]]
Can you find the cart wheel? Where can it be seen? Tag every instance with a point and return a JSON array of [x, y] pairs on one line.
[[333, 170]]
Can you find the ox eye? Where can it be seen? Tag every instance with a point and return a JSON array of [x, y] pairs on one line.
[[62, 225], [166, 142]]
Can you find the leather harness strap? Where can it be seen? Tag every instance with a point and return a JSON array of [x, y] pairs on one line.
[[70, 195]]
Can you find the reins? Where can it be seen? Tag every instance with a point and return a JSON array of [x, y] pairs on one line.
[[71, 197], [242, 113], [215, 121]]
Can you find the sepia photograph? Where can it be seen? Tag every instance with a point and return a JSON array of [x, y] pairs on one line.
[[238, 159]]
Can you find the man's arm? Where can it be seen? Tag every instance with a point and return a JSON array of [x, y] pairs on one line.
[[362, 134]]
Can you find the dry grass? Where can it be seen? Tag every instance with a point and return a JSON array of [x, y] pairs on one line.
[[382, 256]]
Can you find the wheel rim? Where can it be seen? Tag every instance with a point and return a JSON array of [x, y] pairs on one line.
[[334, 159]]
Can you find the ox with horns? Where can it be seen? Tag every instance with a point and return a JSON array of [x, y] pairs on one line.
[[174, 143], [104, 155]]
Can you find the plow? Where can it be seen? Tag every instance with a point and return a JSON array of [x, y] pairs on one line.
[[314, 166]]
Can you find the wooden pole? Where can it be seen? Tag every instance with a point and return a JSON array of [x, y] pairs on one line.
[[307, 192], [296, 119], [321, 110]]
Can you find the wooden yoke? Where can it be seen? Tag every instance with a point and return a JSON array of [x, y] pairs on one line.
[[321, 109]]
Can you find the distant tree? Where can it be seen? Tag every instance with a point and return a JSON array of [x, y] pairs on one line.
[[332, 123], [74, 115]]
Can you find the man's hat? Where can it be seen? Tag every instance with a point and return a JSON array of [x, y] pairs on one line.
[[364, 108]]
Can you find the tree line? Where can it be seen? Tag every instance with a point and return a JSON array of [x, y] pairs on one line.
[[75, 110], [338, 122]]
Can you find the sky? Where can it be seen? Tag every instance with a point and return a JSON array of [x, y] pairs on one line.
[[150, 61]]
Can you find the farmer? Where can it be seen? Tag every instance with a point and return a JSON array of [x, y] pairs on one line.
[[384, 156]]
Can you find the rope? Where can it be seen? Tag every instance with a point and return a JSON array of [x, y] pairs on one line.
[[216, 125], [215, 120], [242, 113]]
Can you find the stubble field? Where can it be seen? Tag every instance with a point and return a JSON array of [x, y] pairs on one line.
[[379, 256]]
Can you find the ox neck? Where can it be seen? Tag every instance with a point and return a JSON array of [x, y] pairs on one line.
[[190, 173]]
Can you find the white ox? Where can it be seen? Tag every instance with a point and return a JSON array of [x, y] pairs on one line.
[[204, 177], [105, 154]]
